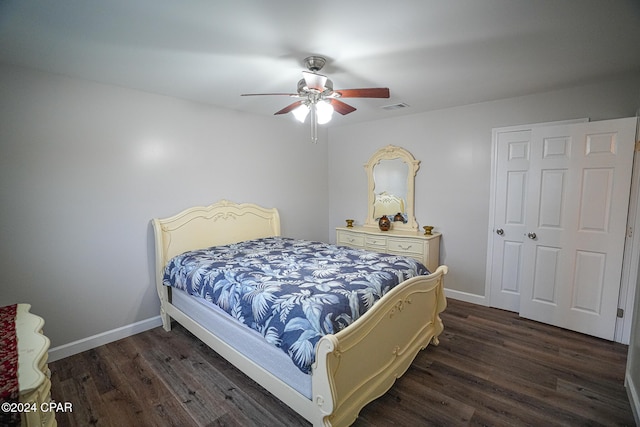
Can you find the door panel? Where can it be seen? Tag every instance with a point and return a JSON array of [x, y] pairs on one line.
[[545, 280], [595, 207], [511, 196], [551, 197], [588, 284], [579, 184], [512, 260], [515, 202]]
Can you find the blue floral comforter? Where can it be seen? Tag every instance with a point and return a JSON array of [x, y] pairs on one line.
[[291, 291]]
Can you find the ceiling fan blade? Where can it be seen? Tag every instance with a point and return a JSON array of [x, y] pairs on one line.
[[261, 94], [371, 92], [288, 108], [314, 81], [341, 107]]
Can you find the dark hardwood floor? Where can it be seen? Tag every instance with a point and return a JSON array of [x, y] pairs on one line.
[[491, 368]]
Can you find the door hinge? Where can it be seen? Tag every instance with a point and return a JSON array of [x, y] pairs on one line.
[[637, 145], [629, 232], [620, 313]]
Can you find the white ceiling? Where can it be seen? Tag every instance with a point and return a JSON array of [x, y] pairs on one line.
[[432, 54]]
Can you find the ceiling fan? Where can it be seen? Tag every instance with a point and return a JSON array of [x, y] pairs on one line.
[[318, 98]]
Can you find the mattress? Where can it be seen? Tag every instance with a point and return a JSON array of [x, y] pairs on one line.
[[248, 342]]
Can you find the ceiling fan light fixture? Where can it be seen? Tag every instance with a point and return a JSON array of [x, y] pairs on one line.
[[301, 113], [314, 82], [325, 112], [317, 98]]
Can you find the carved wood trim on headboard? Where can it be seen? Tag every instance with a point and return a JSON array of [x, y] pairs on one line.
[[221, 223], [227, 222]]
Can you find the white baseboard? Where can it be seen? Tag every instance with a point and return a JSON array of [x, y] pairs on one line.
[[88, 343], [66, 350], [466, 297], [634, 399]]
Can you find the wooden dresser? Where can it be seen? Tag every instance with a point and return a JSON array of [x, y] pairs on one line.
[[424, 248], [33, 371]]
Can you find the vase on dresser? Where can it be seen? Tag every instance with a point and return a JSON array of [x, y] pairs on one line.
[[384, 223]]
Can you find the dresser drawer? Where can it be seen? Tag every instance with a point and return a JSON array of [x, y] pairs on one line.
[[376, 243], [409, 247], [348, 239]]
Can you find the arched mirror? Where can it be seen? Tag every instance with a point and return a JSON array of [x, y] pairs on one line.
[[391, 173]]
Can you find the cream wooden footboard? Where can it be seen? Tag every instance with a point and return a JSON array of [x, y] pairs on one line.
[[354, 366], [363, 361]]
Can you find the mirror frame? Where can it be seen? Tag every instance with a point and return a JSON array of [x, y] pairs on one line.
[[391, 152]]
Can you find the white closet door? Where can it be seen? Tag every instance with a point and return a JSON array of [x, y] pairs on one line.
[[512, 183], [576, 216], [510, 186]]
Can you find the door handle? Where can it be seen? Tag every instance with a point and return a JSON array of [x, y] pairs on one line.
[[532, 236], [500, 231]]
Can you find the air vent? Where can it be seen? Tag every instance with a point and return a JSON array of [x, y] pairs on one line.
[[395, 106]]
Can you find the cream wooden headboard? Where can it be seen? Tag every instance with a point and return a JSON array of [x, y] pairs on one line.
[[222, 223]]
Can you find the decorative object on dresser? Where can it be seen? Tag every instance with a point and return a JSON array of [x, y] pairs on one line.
[[384, 223], [350, 222], [33, 371], [351, 367]]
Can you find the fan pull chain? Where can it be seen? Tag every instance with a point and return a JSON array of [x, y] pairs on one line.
[[314, 124]]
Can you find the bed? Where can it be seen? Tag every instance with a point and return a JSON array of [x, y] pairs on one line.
[[350, 368]]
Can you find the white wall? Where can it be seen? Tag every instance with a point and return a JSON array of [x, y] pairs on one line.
[[83, 169], [454, 146]]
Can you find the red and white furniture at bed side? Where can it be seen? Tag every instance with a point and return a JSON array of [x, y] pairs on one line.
[[33, 371]]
